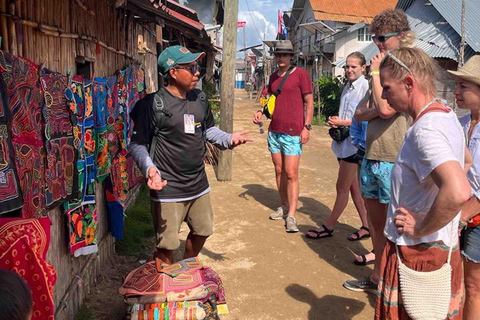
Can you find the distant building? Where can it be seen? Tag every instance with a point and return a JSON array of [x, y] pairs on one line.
[[326, 31]]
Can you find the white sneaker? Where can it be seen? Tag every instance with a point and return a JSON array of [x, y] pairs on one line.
[[281, 213], [291, 224]]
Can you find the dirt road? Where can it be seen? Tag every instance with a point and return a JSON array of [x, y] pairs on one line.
[[269, 274]]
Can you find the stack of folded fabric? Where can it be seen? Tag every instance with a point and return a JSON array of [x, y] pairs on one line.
[[185, 290]]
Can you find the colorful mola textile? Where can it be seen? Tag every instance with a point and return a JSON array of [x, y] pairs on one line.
[[112, 116], [188, 310], [191, 282], [103, 159], [76, 103], [10, 194], [135, 176], [83, 222], [90, 145], [23, 249], [59, 141], [25, 102]]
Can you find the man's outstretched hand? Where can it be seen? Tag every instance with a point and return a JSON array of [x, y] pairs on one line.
[[239, 138], [154, 180]]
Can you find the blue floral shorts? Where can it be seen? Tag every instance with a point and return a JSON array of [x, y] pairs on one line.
[[284, 143], [375, 180]]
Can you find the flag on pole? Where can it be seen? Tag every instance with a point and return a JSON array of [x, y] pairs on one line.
[[282, 29]]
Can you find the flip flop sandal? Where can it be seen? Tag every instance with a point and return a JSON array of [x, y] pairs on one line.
[[357, 235], [364, 261], [325, 233]]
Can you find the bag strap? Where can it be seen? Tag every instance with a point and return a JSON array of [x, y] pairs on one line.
[[159, 113], [279, 89], [449, 251]]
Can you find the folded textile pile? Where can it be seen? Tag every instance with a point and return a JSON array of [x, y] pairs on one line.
[[185, 290]]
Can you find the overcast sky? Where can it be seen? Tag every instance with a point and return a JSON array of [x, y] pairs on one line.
[[261, 17]]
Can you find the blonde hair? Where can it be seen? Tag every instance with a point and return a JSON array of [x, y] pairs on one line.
[[408, 39], [403, 61]]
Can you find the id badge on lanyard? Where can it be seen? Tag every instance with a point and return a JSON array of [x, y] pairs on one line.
[[189, 123]]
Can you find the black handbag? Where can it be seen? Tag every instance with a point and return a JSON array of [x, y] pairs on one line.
[[339, 133]]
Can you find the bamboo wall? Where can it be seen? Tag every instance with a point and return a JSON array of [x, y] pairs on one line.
[[54, 33]]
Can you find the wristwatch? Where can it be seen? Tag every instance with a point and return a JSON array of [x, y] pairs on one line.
[[308, 126]]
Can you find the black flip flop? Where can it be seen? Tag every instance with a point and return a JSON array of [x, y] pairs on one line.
[[325, 233], [364, 261], [367, 235]]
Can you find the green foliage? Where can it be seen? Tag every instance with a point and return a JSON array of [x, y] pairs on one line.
[[138, 235], [212, 93], [210, 89], [84, 313], [330, 89]]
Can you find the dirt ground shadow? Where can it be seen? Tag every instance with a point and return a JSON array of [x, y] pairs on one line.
[[337, 250], [326, 307]]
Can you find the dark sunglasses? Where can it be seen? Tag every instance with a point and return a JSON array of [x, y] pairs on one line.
[[384, 37], [193, 68]]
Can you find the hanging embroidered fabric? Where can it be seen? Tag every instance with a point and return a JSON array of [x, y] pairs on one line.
[[83, 222], [10, 194], [59, 141], [76, 103], [90, 145], [23, 249], [112, 116], [102, 156], [25, 102]]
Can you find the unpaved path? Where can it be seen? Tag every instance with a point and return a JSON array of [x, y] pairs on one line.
[[267, 273]]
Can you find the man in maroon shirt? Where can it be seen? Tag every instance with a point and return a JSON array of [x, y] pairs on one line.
[[289, 129]]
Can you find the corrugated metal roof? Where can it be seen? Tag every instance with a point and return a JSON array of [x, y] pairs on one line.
[[451, 10], [341, 17], [437, 40], [352, 11]]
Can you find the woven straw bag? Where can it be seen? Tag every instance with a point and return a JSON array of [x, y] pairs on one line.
[[426, 295]]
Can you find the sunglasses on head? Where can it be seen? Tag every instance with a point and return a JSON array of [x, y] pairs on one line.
[[384, 37], [192, 69]]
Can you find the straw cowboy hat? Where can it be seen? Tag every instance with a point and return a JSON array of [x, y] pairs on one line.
[[284, 46], [470, 71]]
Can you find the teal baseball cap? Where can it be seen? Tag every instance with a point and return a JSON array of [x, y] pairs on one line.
[[175, 55]]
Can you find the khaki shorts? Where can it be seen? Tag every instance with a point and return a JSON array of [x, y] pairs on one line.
[[168, 218]]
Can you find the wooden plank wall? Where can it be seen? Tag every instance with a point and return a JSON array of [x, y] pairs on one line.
[[118, 29]]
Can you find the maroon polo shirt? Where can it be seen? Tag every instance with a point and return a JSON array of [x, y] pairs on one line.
[[289, 116]]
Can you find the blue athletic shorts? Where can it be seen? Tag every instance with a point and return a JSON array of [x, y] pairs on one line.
[[375, 180], [471, 244], [284, 143]]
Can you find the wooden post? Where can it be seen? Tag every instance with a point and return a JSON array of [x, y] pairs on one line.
[[3, 26], [224, 172], [12, 37]]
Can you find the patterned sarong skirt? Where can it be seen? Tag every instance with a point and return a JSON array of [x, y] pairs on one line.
[[422, 257]]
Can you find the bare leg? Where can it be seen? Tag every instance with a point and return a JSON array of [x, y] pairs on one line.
[[280, 177], [291, 164], [347, 182], [472, 286], [359, 202], [193, 245], [377, 216]]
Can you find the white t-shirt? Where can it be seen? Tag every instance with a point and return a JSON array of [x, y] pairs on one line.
[[352, 94], [473, 175], [436, 138]]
